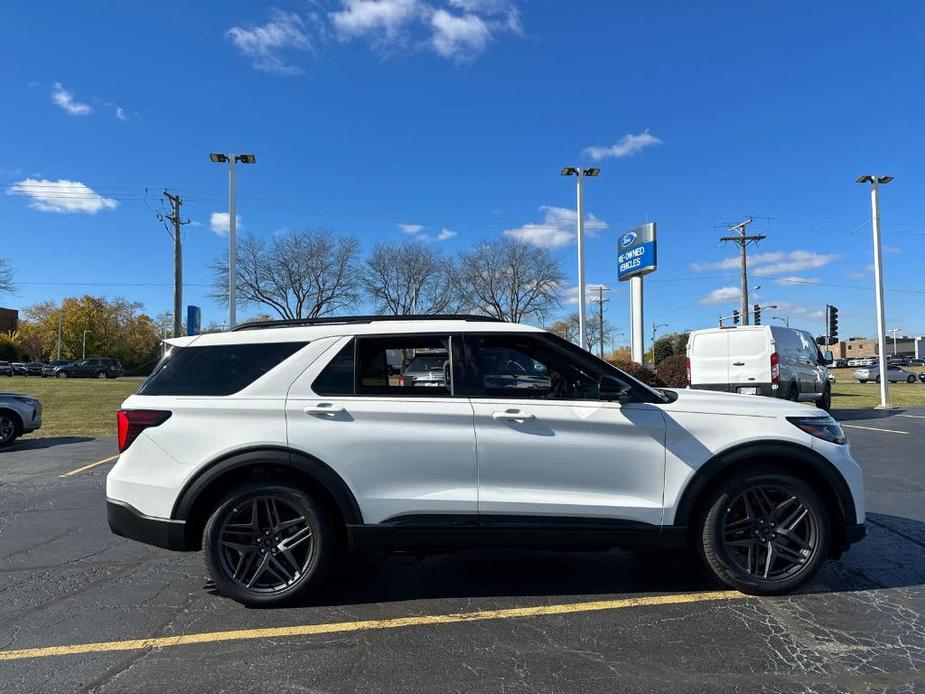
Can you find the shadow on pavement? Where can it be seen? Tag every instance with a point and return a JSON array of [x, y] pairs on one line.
[[893, 556], [851, 415], [32, 444]]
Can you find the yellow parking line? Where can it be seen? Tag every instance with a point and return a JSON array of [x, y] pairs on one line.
[[87, 467], [889, 431], [341, 627]]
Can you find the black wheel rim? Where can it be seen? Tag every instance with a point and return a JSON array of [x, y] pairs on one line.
[[7, 429], [266, 544], [770, 533]]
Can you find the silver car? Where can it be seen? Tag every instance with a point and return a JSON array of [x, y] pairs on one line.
[[894, 374], [19, 414]]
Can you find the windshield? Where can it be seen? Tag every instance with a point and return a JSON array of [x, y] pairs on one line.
[[430, 362]]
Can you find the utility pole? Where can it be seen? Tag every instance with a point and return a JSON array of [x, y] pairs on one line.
[[600, 300], [176, 202], [83, 349], [742, 240]]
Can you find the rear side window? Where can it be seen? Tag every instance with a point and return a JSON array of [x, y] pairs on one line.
[[216, 369]]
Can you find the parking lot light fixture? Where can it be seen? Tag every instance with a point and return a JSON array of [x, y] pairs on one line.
[[580, 173], [875, 183], [232, 159]]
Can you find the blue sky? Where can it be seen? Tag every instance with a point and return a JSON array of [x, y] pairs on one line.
[[456, 116]]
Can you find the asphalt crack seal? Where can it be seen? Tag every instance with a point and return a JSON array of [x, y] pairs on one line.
[[367, 625]]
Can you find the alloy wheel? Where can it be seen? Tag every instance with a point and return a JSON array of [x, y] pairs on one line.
[[7, 428], [770, 533], [266, 544]]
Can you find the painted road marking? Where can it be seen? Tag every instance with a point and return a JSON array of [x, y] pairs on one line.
[[367, 625], [889, 431], [912, 416], [87, 467]]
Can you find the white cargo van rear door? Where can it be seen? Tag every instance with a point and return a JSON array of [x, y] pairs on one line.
[[709, 358], [749, 357]]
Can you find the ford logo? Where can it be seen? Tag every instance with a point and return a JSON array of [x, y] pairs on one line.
[[628, 239]]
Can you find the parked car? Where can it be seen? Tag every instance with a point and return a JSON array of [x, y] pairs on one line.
[[862, 361], [922, 377], [19, 414], [278, 449], [94, 367], [899, 361], [759, 360], [917, 362], [894, 374], [19, 369], [6, 369], [837, 364], [34, 368], [427, 369], [49, 368]]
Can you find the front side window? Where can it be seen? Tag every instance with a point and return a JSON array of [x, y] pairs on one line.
[[215, 369], [510, 366]]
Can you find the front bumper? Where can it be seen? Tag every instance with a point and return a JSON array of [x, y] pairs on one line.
[[127, 521]]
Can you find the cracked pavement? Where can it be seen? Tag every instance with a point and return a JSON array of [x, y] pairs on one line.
[[64, 579]]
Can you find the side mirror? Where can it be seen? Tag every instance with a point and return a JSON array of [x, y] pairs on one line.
[[611, 388]]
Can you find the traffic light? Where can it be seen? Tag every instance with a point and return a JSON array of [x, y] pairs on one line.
[[757, 314], [833, 321], [735, 317]]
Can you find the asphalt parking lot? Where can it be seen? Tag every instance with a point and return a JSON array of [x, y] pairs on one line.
[[83, 610]]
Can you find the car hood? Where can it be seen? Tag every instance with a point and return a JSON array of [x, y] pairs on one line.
[[714, 402], [17, 395]]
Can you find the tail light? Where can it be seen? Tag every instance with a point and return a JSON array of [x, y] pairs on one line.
[[775, 367], [133, 422], [688, 362]]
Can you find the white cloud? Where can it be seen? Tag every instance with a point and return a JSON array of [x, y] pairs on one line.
[[219, 222], [796, 261], [628, 145], [263, 44], [67, 101], [723, 295], [892, 250], [557, 228], [120, 113], [795, 280], [383, 20], [773, 263], [483, 6], [445, 234], [411, 228], [803, 312], [61, 196], [459, 37], [417, 231], [570, 294]]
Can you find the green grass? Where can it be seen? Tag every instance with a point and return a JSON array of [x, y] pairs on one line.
[[75, 406], [848, 394]]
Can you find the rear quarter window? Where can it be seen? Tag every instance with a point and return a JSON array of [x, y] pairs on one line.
[[215, 369]]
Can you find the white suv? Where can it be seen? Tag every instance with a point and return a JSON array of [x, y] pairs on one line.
[[276, 448]]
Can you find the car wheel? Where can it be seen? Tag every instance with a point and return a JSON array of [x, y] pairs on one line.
[[794, 393], [922, 377], [267, 545], [825, 402], [765, 532], [61, 374], [910, 379], [877, 380], [862, 380], [102, 375], [9, 428]]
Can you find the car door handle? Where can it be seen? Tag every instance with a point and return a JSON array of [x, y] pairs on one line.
[[512, 416], [738, 363], [323, 408]]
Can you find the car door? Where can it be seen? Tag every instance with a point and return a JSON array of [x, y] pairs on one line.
[[549, 450], [406, 452]]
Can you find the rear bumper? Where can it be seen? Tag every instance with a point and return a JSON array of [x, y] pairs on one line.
[[766, 389], [127, 521]]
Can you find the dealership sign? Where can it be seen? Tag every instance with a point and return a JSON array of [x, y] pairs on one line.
[[636, 252]]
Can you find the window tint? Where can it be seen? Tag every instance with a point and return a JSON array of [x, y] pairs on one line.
[[216, 369], [509, 366], [424, 367], [337, 377]]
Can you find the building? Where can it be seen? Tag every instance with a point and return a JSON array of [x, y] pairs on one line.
[[867, 347], [9, 320]]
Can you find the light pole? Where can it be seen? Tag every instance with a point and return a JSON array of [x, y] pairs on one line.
[[580, 174], [83, 349], [875, 183], [655, 326], [231, 160], [785, 320], [893, 332]]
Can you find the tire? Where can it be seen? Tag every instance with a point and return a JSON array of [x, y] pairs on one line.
[[825, 402], [922, 377], [278, 576], [10, 428], [61, 374], [877, 380], [910, 379], [743, 566], [862, 380], [101, 375], [793, 394]]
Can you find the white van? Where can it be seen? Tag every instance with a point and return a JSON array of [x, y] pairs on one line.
[[759, 360]]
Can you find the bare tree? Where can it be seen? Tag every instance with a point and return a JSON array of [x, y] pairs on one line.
[[305, 274], [6, 277], [508, 279], [567, 328], [408, 278]]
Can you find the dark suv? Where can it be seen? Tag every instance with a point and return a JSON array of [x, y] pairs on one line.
[[94, 367]]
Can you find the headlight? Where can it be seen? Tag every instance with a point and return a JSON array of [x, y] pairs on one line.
[[824, 428]]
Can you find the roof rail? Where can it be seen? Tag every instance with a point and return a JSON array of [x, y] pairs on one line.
[[346, 320]]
